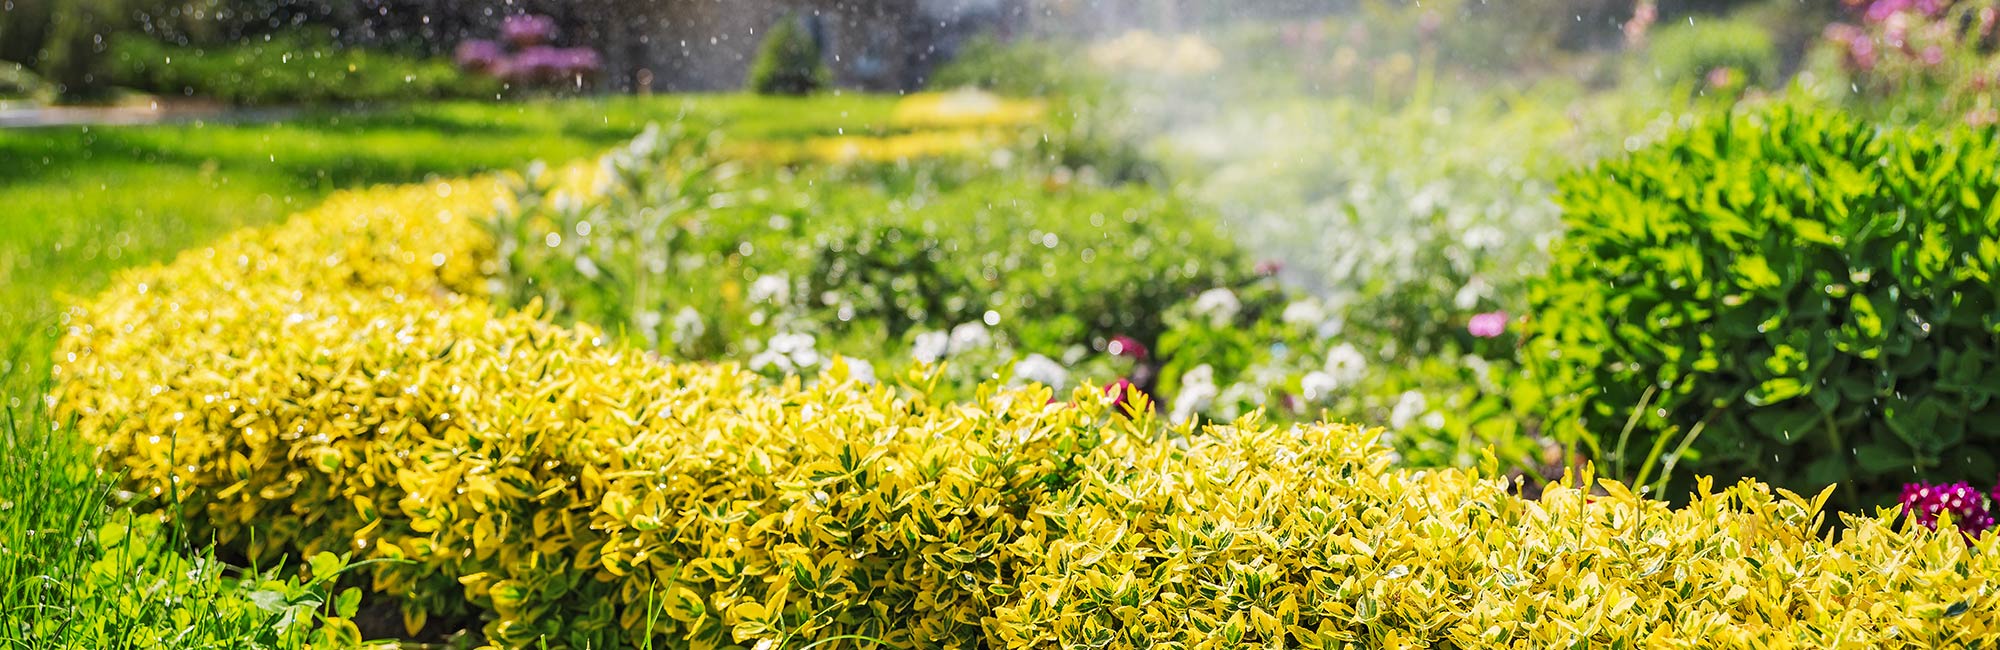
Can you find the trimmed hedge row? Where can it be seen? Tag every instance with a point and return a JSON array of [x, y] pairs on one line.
[[338, 384]]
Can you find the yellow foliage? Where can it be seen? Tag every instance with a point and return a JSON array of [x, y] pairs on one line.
[[337, 384], [967, 108]]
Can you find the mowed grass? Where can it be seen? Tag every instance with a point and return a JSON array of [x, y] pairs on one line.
[[78, 204]]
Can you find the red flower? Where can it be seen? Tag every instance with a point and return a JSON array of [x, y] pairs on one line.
[[1127, 347]]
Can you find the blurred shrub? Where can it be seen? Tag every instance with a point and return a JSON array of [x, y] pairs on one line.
[[1917, 62], [17, 82], [1028, 68], [289, 70], [701, 261], [1791, 295], [789, 62], [1719, 54]]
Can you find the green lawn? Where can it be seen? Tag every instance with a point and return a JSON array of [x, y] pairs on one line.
[[79, 203]]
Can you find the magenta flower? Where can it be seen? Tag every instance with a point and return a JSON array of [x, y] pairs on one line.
[[1119, 391], [480, 55], [527, 30], [1933, 55], [1127, 347], [1925, 502], [1488, 325]]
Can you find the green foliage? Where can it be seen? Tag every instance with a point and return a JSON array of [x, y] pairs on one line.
[[1691, 53], [1792, 295], [789, 62], [78, 574], [701, 261], [1026, 68], [289, 69], [17, 82]]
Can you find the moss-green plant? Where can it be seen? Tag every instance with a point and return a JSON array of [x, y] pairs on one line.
[[789, 62], [1790, 294]]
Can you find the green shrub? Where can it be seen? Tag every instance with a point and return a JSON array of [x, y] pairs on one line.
[[1691, 52], [289, 70], [17, 82], [1790, 295], [1032, 68], [705, 263], [789, 62]]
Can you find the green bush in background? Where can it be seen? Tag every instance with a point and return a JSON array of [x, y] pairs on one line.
[[289, 70], [789, 62], [1691, 53], [1791, 295], [701, 261]]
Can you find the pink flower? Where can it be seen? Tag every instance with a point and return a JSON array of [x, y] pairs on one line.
[[1933, 55], [1925, 502], [1721, 77], [525, 30], [1127, 347], [1268, 268], [480, 56], [1488, 325], [1119, 391]]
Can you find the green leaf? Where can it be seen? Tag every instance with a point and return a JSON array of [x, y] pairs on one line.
[[325, 566], [348, 603]]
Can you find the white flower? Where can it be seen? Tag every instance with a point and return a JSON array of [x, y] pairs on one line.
[[1346, 365], [1408, 407], [1433, 421], [1219, 305], [1042, 370], [1330, 328], [1469, 295], [788, 353], [1304, 312], [1230, 403], [774, 289], [970, 336], [687, 324], [1197, 393], [770, 359], [1318, 385], [931, 346], [859, 370], [587, 268], [1483, 237]]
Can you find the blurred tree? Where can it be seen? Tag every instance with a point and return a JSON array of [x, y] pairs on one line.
[[790, 60], [78, 31]]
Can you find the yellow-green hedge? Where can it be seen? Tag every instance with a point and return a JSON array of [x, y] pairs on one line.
[[336, 383]]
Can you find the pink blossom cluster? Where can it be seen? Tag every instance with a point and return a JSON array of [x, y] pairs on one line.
[[525, 30], [535, 61], [1968, 507], [1911, 28]]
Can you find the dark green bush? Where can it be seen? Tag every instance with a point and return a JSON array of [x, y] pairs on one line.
[[789, 62], [289, 70], [1792, 295]]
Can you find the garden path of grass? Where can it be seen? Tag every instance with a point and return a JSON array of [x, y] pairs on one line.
[[79, 203]]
